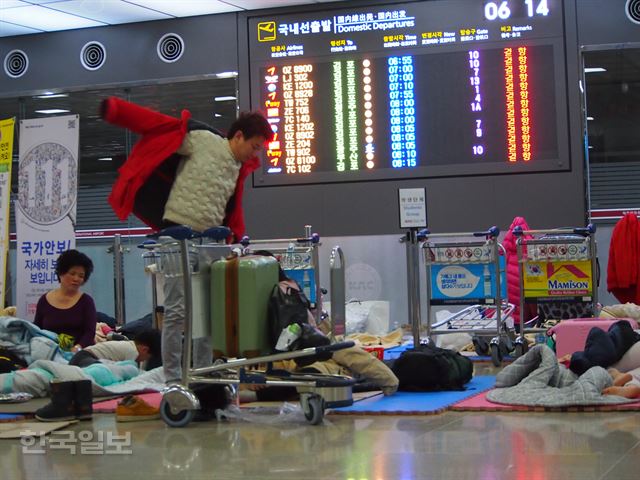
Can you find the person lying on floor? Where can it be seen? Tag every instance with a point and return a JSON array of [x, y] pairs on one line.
[[626, 374], [618, 350], [144, 349], [625, 385]]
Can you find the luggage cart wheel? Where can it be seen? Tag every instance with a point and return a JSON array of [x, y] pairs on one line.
[[521, 349], [313, 408], [496, 354], [180, 419], [481, 346]]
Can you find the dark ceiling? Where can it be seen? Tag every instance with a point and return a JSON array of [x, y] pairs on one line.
[[99, 140]]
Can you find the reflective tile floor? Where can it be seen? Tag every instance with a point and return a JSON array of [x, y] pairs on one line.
[[458, 446]]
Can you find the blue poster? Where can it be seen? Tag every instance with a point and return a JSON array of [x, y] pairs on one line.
[[306, 278], [466, 283]]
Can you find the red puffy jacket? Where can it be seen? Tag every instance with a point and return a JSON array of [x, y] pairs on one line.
[[513, 269], [623, 271]]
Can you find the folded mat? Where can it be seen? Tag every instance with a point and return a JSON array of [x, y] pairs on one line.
[[416, 403]]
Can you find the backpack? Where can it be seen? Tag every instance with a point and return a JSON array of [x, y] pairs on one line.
[[10, 360], [430, 368], [287, 305]]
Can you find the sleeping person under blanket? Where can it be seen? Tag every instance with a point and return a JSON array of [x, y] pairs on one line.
[[626, 374]]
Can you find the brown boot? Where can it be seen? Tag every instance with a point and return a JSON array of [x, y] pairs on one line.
[[83, 399]]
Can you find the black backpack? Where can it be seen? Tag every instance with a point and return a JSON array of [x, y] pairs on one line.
[[286, 307], [430, 368]]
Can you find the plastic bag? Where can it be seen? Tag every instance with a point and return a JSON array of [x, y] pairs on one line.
[[288, 413]]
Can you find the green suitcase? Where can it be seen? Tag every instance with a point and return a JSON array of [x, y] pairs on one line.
[[240, 291]]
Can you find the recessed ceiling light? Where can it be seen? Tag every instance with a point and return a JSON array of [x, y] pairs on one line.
[[52, 95], [52, 110], [594, 70], [224, 98], [217, 115], [227, 74], [590, 118]]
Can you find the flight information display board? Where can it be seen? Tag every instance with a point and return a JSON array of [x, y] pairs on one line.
[[424, 89]]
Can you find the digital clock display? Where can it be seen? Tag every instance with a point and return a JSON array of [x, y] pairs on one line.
[[427, 89]]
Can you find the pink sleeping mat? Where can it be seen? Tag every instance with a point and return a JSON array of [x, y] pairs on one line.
[[571, 335]]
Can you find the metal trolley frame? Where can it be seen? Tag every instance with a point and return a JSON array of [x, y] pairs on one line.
[[179, 403], [486, 312], [557, 248]]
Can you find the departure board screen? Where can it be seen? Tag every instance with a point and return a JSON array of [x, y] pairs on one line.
[[424, 89]]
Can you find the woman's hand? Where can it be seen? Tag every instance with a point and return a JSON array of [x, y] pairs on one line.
[[76, 348]]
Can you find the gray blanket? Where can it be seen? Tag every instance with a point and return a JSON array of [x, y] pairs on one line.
[[537, 379], [121, 377]]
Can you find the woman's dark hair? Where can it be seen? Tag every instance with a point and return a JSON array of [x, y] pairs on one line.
[[73, 258]]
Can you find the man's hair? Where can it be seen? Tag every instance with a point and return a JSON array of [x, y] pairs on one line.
[[150, 338], [73, 258], [251, 124]]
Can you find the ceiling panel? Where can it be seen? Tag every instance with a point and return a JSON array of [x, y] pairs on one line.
[[9, 29], [186, 8], [12, 3], [109, 12], [44, 2], [43, 18], [258, 4], [37, 16]]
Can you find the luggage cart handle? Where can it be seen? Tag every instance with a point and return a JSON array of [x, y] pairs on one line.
[[177, 232], [313, 239], [217, 234], [492, 232], [182, 232], [148, 245], [584, 231], [335, 347]]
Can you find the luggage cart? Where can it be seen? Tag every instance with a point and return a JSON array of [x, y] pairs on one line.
[[300, 260], [469, 273], [179, 403], [555, 265]]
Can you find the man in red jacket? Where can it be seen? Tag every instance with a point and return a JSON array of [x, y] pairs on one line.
[[210, 172], [146, 178], [205, 180]]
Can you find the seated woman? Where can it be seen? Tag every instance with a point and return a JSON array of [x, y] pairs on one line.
[[66, 310]]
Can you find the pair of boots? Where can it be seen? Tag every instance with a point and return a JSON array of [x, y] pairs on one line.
[[69, 401]]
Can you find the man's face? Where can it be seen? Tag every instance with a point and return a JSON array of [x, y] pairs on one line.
[[245, 148]]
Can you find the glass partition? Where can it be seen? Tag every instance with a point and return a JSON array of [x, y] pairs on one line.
[[612, 92], [103, 149]]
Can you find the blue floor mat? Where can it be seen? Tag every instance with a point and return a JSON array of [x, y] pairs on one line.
[[417, 403], [10, 417]]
